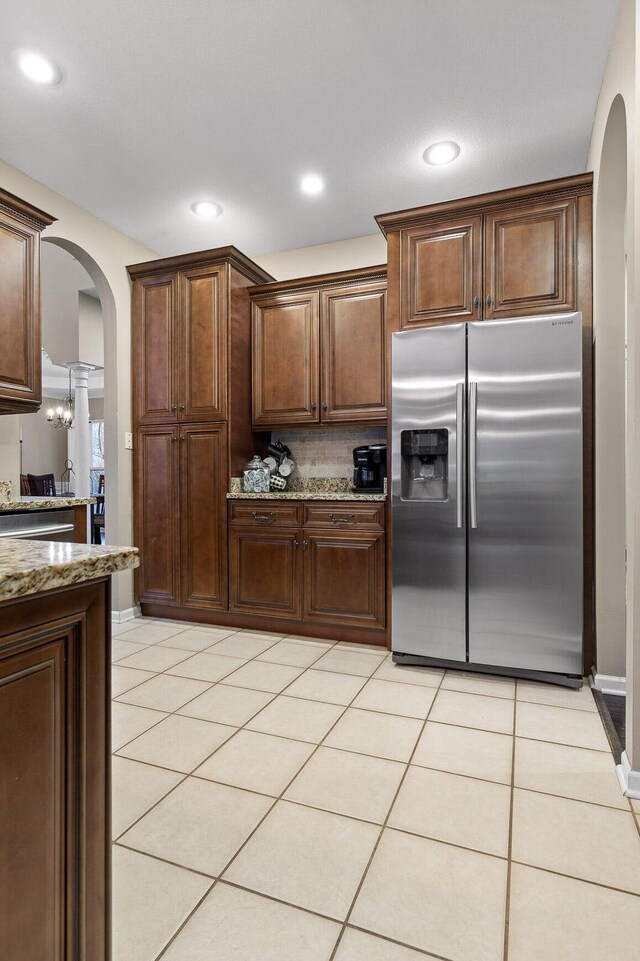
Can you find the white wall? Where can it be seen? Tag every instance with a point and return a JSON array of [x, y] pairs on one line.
[[44, 448], [622, 78], [61, 277], [104, 252], [90, 331], [325, 258]]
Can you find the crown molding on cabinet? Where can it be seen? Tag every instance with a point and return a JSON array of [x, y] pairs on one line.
[[217, 255]]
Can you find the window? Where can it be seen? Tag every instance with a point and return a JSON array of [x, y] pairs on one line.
[[97, 453]]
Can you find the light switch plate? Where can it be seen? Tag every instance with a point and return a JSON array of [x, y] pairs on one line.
[[128, 441]]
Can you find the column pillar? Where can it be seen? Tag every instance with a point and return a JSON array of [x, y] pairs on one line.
[[81, 428]]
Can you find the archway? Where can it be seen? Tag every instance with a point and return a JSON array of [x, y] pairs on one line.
[[610, 329], [108, 304]]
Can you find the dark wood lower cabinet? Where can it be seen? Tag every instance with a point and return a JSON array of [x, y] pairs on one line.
[[327, 572], [181, 525], [54, 775], [265, 572], [344, 578]]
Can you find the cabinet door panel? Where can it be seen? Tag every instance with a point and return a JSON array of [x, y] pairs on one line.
[[155, 349], [203, 364], [353, 353], [32, 825], [265, 572], [20, 359], [285, 359], [443, 273], [203, 456], [157, 513], [530, 260], [344, 578]]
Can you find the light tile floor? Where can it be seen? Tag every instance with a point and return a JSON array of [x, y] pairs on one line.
[[285, 799]]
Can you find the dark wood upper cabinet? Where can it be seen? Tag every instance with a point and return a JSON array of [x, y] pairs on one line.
[[203, 345], [509, 253], [265, 574], [353, 353], [203, 486], [530, 259], [155, 349], [318, 349], [285, 359], [20, 322], [157, 519], [442, 280]]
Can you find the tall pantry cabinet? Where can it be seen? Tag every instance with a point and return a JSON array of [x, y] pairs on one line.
[[191, 365]]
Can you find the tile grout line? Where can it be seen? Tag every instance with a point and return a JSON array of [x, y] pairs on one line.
[[275, 801], [507, 902], [383, 826]]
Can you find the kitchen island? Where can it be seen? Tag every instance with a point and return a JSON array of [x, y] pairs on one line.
[[46, 518], [55, 639]]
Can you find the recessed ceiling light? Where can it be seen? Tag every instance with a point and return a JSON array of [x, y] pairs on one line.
[[441, 153], [206, 208], [38, 68], [312, 184]]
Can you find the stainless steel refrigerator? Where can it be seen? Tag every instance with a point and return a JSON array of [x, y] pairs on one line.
[[486, 494]]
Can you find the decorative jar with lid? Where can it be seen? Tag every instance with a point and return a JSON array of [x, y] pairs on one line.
[[256, 476]]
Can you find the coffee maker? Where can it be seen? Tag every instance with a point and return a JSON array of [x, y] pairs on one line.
[[369, 468]]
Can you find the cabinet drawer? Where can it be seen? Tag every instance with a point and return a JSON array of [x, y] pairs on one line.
[[345, 516], [257, 513]]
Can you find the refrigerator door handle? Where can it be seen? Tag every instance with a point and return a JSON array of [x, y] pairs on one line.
[[473, 491], [460, 442]]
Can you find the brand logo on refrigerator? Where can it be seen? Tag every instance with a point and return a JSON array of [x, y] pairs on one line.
[[560, 323]]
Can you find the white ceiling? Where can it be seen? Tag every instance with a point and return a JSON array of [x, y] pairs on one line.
[[165, 103]]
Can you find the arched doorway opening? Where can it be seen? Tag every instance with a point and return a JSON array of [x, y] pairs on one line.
[[108, 306], [610, 331]]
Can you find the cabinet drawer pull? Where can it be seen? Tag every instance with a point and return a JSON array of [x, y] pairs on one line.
[[341, 520], [263, 517]]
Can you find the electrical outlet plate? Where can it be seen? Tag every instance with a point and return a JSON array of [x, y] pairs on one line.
[[128, 441]]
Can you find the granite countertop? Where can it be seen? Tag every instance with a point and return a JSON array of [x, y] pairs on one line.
[[307, 496], [307, 489], [30, 567], [44, 503]]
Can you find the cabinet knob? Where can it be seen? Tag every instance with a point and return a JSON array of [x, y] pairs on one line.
[[181, 406], [173, 408], [314, 407], [173, 437], [324, 405], [295, 543], [489, 300], [304, 545], [476, 301]]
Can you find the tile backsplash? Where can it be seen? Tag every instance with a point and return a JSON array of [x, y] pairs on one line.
[[327, 451]]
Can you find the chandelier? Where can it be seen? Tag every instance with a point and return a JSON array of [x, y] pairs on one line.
[[62, 416]]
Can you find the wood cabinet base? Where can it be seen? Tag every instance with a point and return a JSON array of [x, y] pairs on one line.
[[55, 794], [259, 622]]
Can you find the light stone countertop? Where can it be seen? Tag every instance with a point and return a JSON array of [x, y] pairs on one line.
[[307, 496], [31, 567], [44, 503], [308, 489]]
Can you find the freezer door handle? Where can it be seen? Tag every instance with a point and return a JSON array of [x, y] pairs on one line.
[[473, 490], [459, 453]]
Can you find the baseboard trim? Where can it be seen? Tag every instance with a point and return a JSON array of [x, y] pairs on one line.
[[119, 617], [608, 683], [628, 778]]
